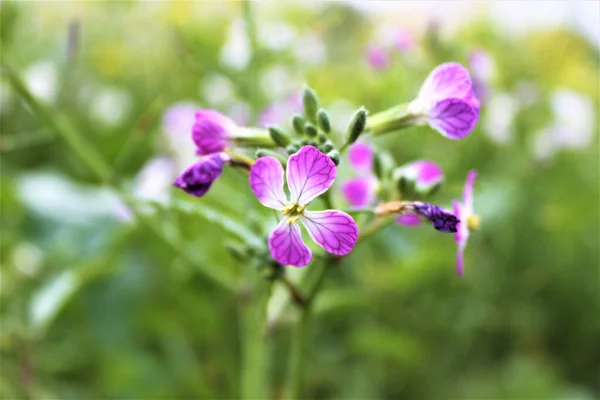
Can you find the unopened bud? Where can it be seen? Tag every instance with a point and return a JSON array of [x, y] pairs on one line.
[[298, 124], [327, 146], [383, 164], [322, 138], [335, 156], [323, 120], [310, 130], [311, 104], [357, 125], [292, 148], [278, 136]]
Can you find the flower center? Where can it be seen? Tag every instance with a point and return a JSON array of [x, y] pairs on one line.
[[293, 212], [473, 222]]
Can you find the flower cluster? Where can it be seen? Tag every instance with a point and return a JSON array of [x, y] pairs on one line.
[[309, 156]]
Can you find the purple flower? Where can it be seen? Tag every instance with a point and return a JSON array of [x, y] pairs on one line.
[[464, 212], [212, 132], [404, 40], [442, 220], [360, 191], [377, 57], [198, 178], [446, 101], [424, 173], [309, 174]]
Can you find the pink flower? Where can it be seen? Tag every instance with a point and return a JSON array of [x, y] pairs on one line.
[[404, 40], [360, 191], [212, 132], [377, 57], [309, 174], [446, 101], [463, 211]]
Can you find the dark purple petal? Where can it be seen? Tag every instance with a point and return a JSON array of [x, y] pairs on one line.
[[212, 131], [453, 118], [333, 230], [309, 174], [442, 220], [359, 192], [286, 245], [197, 179], [266, 182]]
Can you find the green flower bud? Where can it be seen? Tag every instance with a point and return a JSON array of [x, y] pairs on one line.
[[322, 138], [335, 156], [298, 122], [323, 120], [311, 104], [310, 130], [383, 164], [327, 146], [292, 148], [357, 125], [278, 136]]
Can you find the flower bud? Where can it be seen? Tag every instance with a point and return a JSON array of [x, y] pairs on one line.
[[327, 146], [198, 178], [278, 136], [310, 130], [357, 125], [335, 156], [298, 124], [292, 148], [322, 138], [418, 178], [323, 120], [383, 164], [311, 104]]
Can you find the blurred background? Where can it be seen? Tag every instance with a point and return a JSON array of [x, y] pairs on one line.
[[99, 302]]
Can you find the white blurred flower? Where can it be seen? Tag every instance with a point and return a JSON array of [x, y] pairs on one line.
[[342, 112], [217, 89], [278, 81], [177, 124], [154, 181], [236, 51], [276, 35], [499, 117], [41, 79], [110, 105], [310, 50]]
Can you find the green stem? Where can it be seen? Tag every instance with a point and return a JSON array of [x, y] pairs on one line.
[[327, 200], [390, 120], [254, 343]]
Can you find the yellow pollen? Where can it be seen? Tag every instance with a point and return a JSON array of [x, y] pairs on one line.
[[473, 222], [292, 219], [293, 211]]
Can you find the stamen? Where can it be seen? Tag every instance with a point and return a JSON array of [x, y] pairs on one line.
[[473, 222]]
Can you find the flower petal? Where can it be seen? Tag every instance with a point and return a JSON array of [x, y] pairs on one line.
[[360, 156], [198, 178], [423, 172], [448, 80], [287, 247], [453, 118], [212, 131], [468, 192], [409, 220], [461, 236], [442, 220], [266, 182], [309, 174], [358, 192], [333, 230]]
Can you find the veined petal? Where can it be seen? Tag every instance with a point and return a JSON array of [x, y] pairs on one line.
[[309, 174], [442, 220], [448, 80], [360, 156], [266, 182], [212, 131], [468, 191], [358, 192], [333, 230], [409, 220], [287, 247], [453, 118]]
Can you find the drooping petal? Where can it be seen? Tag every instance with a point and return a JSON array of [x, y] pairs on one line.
[[442, 220], [333, 230], [266, 182], [460, 259], [212, 131], [409, 220], [448, 80], [360, 156], [468, 192], [453, 118], [198, 178], [309, 174], [286, 245], [358, 192], [461, 236]]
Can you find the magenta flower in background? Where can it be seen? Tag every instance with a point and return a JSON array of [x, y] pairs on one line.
[[212, 131], [446, 101], [377, 57], [425, 174], [463, 212], [199, 177], [360, 191], [309, 174], [404, 40]]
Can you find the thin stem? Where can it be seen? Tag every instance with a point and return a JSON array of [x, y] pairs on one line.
[[326, 197], [295, 293], [254, 343]]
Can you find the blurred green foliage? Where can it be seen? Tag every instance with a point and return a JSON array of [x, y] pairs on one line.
[[93, 307]]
